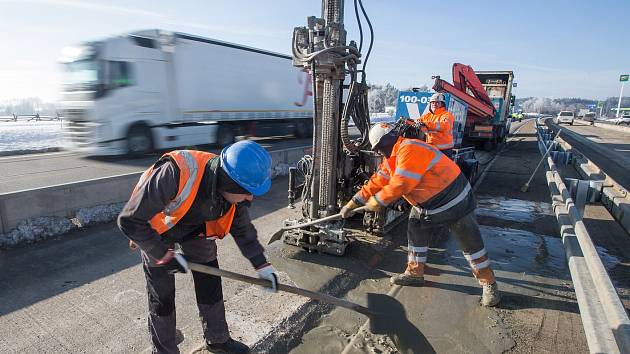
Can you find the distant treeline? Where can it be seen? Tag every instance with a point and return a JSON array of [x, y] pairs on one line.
[[554, 105], [28, 106]]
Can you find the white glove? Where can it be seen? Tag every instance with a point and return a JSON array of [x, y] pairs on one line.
[[266, 271]]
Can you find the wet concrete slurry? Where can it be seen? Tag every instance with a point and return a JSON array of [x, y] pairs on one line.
[[538, 313]]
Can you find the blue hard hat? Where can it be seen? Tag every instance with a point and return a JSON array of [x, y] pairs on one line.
[[249, 165]]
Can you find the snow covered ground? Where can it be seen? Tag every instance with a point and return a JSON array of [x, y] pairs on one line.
[[24, 136]]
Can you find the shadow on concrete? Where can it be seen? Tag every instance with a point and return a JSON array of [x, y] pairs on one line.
[[393, 322], [37, 272]]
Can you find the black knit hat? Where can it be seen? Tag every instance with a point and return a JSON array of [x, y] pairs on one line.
[[226, 184]]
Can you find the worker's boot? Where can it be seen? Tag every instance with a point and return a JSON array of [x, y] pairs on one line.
[[491, 295], [230, 347], [413, 275]]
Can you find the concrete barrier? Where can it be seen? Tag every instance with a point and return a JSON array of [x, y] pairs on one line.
[[63, 200], [66, 200]]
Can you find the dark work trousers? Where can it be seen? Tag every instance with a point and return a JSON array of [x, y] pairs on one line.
[[422, 229], [465, 230], [208, 290]]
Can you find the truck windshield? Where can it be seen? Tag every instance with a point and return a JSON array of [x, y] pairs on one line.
[[82, 75]]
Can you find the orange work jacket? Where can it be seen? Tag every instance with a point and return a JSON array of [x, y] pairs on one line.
[[191, 166], [439, 128], [415, 171]]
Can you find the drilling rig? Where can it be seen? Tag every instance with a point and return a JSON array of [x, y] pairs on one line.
[[338, 165]]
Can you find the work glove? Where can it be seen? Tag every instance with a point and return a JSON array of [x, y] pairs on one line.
[[173, 262], [266, 271], [373, 205], [348, 210]]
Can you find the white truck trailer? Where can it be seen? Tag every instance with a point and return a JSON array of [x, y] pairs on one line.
[[152, 90]]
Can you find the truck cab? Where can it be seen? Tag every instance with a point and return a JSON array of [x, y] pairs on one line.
[[114, 91]]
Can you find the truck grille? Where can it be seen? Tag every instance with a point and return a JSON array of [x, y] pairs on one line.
[[78, 130]]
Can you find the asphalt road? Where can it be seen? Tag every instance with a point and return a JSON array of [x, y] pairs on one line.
[[608, 149], [40, 170]]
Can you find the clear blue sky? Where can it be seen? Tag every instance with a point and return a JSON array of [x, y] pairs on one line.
[[556, 48]]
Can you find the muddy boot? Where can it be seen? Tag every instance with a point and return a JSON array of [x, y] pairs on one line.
[[491, 295], [230, 347], [405, 279], [413, 275]]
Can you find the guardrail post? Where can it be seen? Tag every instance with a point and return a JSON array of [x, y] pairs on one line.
[[584, 191]]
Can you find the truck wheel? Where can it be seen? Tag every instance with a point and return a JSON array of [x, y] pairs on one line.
[[139, 140], [225, 135], [301, 130]]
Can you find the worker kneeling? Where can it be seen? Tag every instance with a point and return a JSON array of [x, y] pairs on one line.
[[441, 197], [193, 198]]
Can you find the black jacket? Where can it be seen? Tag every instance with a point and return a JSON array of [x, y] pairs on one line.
[[160, 188]]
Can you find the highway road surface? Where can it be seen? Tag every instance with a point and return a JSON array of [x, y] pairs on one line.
[[40, 170]]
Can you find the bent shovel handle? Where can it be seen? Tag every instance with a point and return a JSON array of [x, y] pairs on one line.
[[283, 287]]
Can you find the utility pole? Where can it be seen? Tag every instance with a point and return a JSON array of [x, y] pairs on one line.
[[623, 79]]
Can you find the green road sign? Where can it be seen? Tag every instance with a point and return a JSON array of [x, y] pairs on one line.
[[600, 104], [623, 77]]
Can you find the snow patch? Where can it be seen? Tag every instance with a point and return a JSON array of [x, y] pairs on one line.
[[99, 214], [31, 136], [33, 230]]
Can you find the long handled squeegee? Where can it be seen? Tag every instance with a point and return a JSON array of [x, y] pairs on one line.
[[278, 234]]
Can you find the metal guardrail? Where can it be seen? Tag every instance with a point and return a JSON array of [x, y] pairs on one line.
[[606, 323]]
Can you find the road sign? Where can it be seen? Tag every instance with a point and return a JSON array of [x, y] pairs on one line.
[[600, 104], [624, 77]]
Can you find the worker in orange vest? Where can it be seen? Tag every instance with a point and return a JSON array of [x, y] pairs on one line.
[[438, 124], [440, 196], [192, 198]]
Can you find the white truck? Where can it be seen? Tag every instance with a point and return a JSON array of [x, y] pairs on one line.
[[152, 90]]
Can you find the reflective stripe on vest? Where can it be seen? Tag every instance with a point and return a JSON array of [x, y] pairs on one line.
[[191, 165], [408, 174]]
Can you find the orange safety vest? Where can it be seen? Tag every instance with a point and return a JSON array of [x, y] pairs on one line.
[[439, 128], [415, 171], [191, 166]]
